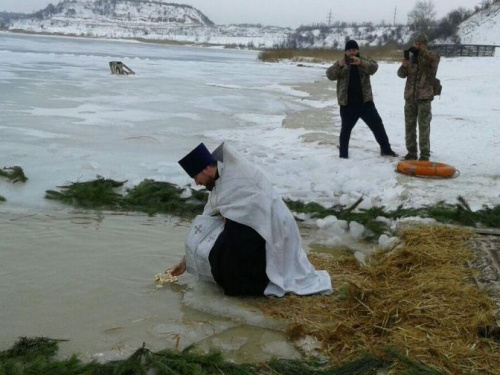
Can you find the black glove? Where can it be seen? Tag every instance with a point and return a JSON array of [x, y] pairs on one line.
[[414, 56]]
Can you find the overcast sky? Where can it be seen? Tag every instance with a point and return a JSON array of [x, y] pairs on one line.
[[291, 13]]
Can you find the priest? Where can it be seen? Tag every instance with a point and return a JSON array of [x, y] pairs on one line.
[[246, 240]]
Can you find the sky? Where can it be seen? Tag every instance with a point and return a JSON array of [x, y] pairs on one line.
[[292, 13]]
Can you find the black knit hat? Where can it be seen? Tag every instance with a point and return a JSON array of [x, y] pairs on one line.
[[351, 44]]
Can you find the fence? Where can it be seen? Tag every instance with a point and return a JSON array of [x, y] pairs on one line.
[[450, 50]]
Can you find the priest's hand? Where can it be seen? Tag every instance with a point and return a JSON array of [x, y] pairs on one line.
[[179, 268]]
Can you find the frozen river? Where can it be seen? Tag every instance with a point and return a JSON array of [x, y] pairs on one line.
[[87, 276], [64, 117]]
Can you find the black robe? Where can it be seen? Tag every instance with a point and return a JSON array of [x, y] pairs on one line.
[[238, 261]]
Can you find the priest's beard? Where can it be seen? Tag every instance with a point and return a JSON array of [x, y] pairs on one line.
[[209, 185]]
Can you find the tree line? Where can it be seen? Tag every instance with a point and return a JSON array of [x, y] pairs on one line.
[[421, 19]]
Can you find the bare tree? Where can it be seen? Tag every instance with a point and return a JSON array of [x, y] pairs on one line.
[[447, 27], [485, 4], [422, 16]]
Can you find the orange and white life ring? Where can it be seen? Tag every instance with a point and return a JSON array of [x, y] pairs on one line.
[[426, 169]]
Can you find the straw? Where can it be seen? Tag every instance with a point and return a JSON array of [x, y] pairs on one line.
[[420, 299]]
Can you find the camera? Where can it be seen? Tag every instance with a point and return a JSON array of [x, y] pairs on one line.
[[348, 60], [414, 52]]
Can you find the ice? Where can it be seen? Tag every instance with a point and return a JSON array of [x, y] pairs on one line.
[[386, 242], [326, 222], [208, 298], [343, 225], [334, 241], [360, 256], [356, 230], [186, 193], [66, 118]]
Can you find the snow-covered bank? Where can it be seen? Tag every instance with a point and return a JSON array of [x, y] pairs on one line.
[[464, 134]]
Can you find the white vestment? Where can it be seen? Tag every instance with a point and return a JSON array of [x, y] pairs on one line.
[[243, 194]]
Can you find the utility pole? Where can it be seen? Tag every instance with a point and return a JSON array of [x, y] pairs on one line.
[[329, 17], [395, 9]]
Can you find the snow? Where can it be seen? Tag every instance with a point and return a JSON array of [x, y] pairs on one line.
[[335, 36], [385, 242], [149, 20], [65, 118], [482, 28]]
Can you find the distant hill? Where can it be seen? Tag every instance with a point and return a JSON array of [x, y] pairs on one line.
[[85, 17], [7, 17], [144, 19]]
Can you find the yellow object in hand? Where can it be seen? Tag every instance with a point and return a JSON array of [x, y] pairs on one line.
[[164, 278]]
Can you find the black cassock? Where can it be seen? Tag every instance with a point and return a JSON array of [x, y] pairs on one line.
[[238, 260]]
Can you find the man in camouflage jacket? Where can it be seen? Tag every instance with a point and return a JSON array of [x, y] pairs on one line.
[[355, 98], [420, 73]]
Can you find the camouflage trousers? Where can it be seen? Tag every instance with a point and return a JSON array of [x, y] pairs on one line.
[[418, 111]]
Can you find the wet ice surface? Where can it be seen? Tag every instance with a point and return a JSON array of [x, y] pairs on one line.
[[65, 118], [89, 278]]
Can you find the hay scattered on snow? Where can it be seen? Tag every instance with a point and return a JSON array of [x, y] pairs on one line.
[[419, 299]]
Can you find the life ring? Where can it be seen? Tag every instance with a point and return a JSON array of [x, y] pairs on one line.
[[426, 169]]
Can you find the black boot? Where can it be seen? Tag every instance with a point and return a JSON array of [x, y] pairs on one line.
[[410, 157], [388, 153]]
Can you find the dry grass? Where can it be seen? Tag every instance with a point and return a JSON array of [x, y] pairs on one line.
[[419, 299], [328, 55]]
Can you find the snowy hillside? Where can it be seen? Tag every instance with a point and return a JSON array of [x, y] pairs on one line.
[[117, 13], [121, 18], [482, 28], [148, 19], [322, 36]]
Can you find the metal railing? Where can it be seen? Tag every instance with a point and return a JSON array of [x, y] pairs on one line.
[[451, 50]]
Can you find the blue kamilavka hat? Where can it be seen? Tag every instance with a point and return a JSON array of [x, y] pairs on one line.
[[197, 160]]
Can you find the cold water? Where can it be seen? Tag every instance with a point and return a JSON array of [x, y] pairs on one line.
[[88, 276]]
